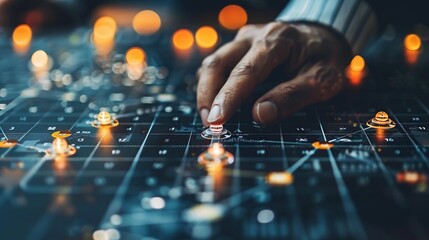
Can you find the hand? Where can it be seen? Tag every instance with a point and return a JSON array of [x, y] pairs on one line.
[[314, 56]]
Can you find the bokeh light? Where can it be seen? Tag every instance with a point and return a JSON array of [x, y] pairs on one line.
[[232, 17], [183, 39], [22, 35], [104, 30], [39, 59], [135, 56], [357, 64], [146, 22], [206, 37], [412, 42]]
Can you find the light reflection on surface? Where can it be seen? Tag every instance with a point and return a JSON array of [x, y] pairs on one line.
[[412, 47], [356, 71]]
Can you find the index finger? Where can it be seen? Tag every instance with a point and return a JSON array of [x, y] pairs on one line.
[[253, 68]]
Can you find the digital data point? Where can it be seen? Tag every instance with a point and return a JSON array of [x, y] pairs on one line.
[[216, 131], [61, 134], [279, 178], [216, 154], [381, 121], [105, 120], [322, 145], [8, 143], [60, 148]]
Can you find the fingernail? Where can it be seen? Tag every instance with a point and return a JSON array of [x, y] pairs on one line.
[[267, 112], [204, 113], [214, 114]]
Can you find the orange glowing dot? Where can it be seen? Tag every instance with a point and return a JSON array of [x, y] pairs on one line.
[[206, 37], [135, 56], [104, 29], [232, 17], [22, 35], [146, 22], [216, 149], [279, 178], [60, 145], [183, 39], [39, 59], [412, 42], [357, 64]]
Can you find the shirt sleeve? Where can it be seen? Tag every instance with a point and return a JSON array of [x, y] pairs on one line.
[[354, 19]]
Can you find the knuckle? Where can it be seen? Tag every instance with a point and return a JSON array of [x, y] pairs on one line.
[[211, 62], [290, 95], [243, 69], [291, 30], [328, 80], [245, 30]]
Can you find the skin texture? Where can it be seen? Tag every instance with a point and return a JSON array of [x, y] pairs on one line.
[[310, 57]]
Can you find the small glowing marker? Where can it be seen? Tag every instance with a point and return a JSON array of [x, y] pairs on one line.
[[61, 134], [183, 39], [39, 59], [21, 37], [216, 154], [412, 42], [357, 64], [279, 178], [61, 148], [232, 17], [410, 177], [146, 22], [322, 145], [206, 37], [104, 120], [8, 143], [381, 121], [216, 131], [355, 72]]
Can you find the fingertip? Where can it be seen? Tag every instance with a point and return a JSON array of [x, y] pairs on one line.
[[215, 114]]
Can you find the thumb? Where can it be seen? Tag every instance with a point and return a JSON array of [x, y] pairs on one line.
[[313, 84]]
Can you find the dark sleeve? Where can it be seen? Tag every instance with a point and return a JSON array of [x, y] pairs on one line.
[[353, 19]]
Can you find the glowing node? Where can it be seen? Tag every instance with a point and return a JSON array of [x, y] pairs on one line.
[[8, 143], [381, 121], [322, 145], [357, 64], [206, 37], [412, 42], [232, 17], [216, 131], [105, 120], [61, 148], [410, 177], [183, 39], [216, 154], [204, 213], [22, 35], [135, 56], [61, 134], [279, 178], [39, 59], [146, 22]]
